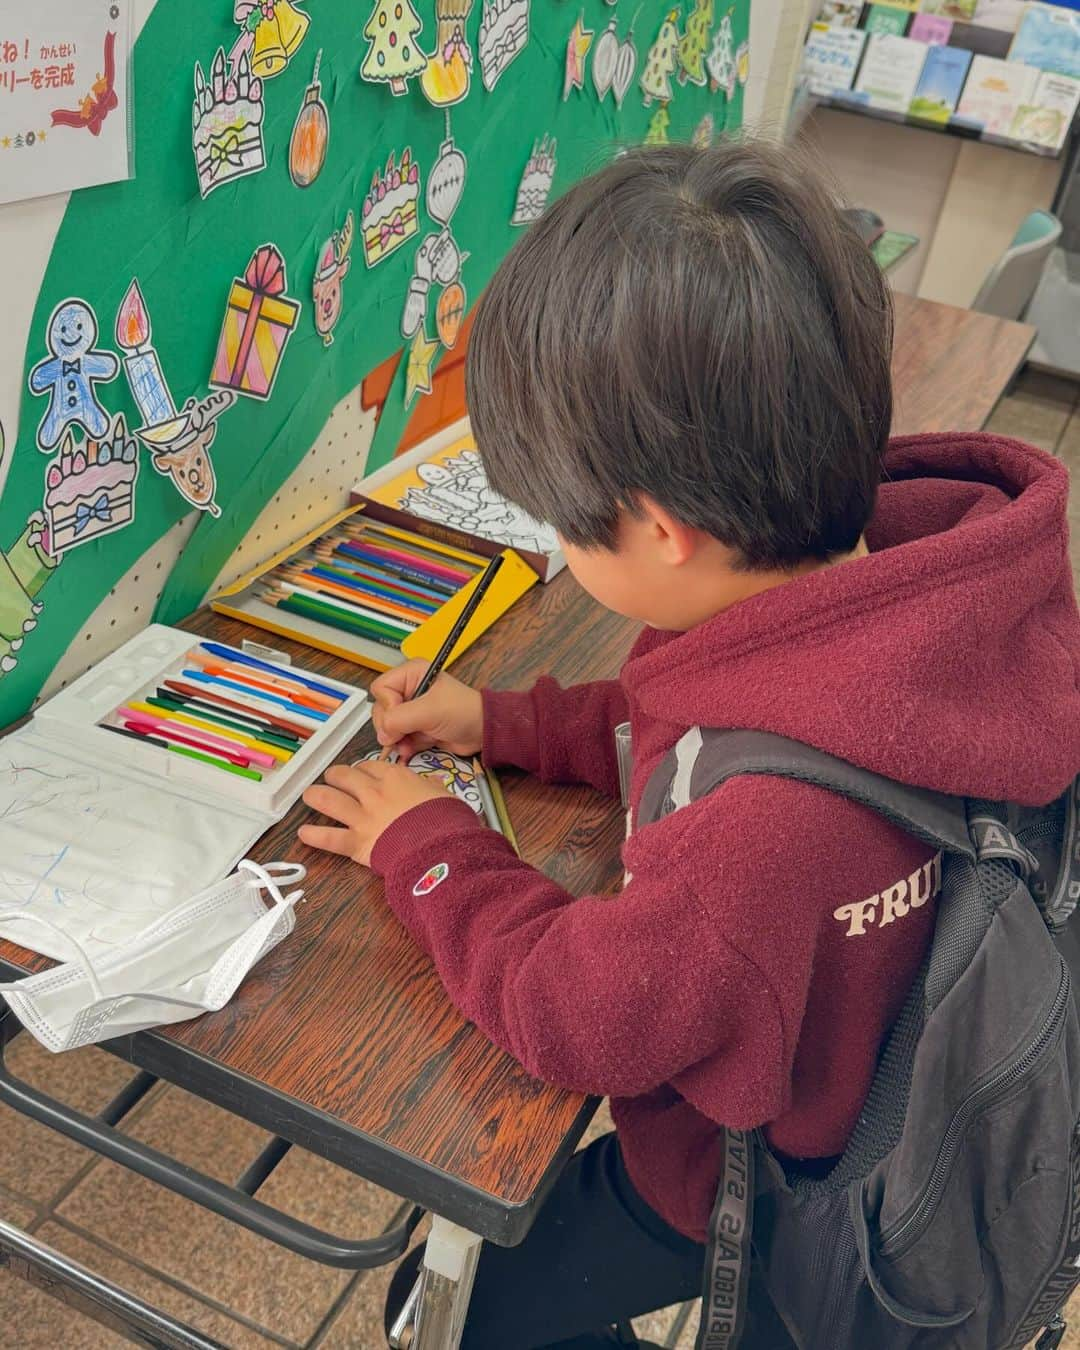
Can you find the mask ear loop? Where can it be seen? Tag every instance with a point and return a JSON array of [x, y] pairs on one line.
[[81, 958], [273, 876]]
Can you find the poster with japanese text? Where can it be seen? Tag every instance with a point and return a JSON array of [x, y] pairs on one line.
[[64, 105]]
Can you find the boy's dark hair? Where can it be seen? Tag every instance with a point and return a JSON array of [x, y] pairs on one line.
[[701, 326]]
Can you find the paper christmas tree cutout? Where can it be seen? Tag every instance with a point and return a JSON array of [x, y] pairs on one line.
[[658, 127], [694, 42], [393, 55], [721, 59], [661, 61]]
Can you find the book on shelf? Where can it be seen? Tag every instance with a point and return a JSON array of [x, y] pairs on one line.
[[993, 92], [887, 19], [1045, 121], [1004, 15], [932, 29], [446, 491], [964, 10], [890, 72], [840, 13], [940, 84], [831, 58], [1048, 38]]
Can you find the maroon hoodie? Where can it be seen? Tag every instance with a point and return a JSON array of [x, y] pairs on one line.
[[748, 972]]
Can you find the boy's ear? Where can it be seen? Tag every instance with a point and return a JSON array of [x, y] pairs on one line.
[[676, 541]]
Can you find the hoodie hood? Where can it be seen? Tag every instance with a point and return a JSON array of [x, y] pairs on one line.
[[948, 658]]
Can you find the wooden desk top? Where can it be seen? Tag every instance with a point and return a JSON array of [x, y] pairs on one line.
[[343, 1040]]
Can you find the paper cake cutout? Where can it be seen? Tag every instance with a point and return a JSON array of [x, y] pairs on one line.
[[310, 134], [448, 73], [388, 217], [504, 32], [259, 320], [535, 185], [332, 269], [227, 124], [70, 373], [90, 490], [577, 48]]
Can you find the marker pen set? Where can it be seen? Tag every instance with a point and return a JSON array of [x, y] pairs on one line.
[[371, 592]]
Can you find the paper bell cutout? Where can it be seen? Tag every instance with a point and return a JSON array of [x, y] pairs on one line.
[[259, 320], [271, 33]]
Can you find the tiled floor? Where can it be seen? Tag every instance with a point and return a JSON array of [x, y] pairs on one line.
[[236, 1288]]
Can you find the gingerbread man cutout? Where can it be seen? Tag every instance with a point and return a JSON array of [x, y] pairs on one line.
[[69, 373]]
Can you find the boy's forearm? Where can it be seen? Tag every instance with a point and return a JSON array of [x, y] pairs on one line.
[[560, 735]]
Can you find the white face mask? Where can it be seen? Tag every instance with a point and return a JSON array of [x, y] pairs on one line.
[[188, 962]]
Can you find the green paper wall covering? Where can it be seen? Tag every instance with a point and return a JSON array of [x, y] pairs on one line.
[[186, 252]]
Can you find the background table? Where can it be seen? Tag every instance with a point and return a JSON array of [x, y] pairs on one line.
[[343, 1039]]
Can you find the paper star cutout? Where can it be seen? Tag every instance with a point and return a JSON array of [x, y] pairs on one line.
[[418, 371], [41, 135], [6, 142], [577, 45]]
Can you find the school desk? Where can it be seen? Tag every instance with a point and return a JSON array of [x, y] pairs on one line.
[[343, 1042]]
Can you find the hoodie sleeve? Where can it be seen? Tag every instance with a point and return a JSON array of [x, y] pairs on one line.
[[611, 995], [560, 735]]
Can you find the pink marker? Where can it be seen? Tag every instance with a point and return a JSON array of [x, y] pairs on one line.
[[189, 734]]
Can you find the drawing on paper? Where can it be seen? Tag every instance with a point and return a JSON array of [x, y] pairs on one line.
[[456, 774], [70, 373]]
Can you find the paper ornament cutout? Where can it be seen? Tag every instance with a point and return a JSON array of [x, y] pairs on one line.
[[657, 134], [504, 31], [577, 48], [438, 259], [70, 373], [614, 63], [447, 75], [271, 32], [259, 320], [99, 102], [693, 43], [142, 366], [457, 775], [393, 56], [418, 370], [185, 457], [450, 314], [90, 489], [227, 124], [661, 61], [742, 62], [333, 268], [703, 133], [446, 182], [25, 567], [720, 63], [310, 134], [535, 185], [389, 214]]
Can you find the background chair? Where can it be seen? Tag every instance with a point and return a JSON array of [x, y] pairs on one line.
[[1012, 281]]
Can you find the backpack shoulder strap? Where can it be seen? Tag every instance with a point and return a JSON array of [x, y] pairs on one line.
[[705, 758]]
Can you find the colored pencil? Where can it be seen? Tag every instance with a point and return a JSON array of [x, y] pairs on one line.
[[233, 654], [235, 722], [236, 735], [472, 604], [500, 807], [413, 540], [181, 750], [486, 799], [410, 600], [267, 717], [192, 731], [201, 677], [432, 587], [421, 567], [333, 618], [264, 684], [332, 590]]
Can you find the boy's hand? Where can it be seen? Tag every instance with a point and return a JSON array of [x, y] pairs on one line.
[[366, 799], [450, 715]]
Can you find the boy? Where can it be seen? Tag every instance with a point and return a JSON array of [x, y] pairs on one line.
[[684, 367]]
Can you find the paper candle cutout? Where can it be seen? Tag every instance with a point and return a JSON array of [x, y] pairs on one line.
[[333, 268], [660, 63], [447, 75], [449, 314], [227, 124], [90, 491], [720, 63], [185, 458], [141, 364], [577, 47], [388, 217], [99, 102], [693, 43], [271, 33], [69, 374], [259, 320], [535, 185], [393, 56], [418, 370], [310, 134], [504, 31]]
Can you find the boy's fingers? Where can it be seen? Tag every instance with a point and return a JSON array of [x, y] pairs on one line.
[[405, 718], [328, 838], [394, 686], [329, 801]]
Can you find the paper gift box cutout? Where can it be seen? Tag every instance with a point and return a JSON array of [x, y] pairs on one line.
[[259, 320]]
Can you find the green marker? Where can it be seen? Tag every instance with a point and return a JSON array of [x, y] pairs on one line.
[[217, 763]]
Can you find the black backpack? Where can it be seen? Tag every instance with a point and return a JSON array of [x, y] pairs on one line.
[[952, 1219]]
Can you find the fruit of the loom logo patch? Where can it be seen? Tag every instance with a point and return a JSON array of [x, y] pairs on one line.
[[433, 877]]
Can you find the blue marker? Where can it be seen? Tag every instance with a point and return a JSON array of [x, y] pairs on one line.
[[231, 654], [203, 678]]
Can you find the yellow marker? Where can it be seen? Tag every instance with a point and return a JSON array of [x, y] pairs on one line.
[[215, 729]]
